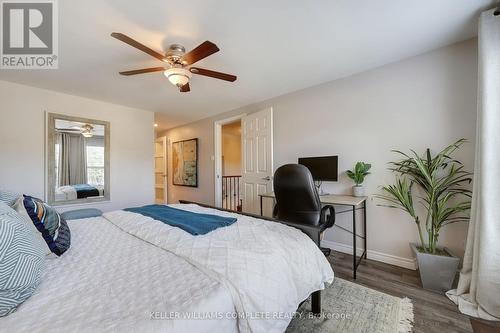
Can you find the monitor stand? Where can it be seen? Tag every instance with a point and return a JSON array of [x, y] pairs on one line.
[[320, 190]]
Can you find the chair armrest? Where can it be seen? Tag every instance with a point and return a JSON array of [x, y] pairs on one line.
[[327, 223]]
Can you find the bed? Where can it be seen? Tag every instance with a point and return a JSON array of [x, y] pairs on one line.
[[128, 272], [78, 191]]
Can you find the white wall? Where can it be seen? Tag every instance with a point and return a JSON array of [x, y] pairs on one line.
[[425, 101], [22, 142]]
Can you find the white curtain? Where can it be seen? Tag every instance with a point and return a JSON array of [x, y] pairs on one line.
[[72, 159], [478, 291]]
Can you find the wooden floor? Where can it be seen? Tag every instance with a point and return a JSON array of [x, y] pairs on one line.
[[433, 312]]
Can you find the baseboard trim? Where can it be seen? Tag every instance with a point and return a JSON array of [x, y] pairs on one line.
[[372, 255]]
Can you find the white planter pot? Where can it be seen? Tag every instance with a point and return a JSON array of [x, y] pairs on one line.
[[358, 191], [436, 272]]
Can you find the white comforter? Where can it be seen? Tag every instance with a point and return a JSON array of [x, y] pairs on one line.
[[110, 281], [268, 268]]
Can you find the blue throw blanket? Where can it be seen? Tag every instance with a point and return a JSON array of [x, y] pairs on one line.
[[194, 223]]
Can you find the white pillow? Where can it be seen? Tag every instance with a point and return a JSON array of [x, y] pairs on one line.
[[8, 197], [22, 260]]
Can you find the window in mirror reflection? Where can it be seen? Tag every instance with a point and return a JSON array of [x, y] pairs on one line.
[[79, 160], [95, 164]]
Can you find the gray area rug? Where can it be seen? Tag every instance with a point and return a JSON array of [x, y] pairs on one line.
[[350, 308]]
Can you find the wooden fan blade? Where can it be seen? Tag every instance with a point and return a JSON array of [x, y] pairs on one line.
[[142, 71], [214, 74], [185, 88], [126, 39], [201, 51]]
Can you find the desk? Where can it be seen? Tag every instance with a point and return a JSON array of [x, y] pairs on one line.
[[355, 203]]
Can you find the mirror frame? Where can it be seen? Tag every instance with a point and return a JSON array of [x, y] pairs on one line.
[[51, 164]]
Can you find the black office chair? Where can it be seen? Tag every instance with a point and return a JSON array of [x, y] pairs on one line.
[[297, 199]]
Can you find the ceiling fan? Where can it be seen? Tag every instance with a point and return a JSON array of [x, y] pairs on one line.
[[86, 130], [178, 61]]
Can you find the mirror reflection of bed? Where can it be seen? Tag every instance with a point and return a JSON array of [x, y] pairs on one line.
[[79, 160]]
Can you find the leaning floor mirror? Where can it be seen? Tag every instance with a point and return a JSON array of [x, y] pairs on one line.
[[77, 160]]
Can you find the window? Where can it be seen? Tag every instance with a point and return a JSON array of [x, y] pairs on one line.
[[95, 165]]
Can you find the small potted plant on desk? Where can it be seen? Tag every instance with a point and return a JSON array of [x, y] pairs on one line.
[[441, 181], [358, 176]]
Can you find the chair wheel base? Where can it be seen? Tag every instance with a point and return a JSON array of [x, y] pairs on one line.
[[326, 251]]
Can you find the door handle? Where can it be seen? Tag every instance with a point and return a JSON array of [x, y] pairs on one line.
[[267, 178]]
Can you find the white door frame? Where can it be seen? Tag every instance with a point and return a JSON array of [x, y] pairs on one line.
[[218, 154]]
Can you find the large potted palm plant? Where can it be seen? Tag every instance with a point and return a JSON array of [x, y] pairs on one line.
[[440, 184]]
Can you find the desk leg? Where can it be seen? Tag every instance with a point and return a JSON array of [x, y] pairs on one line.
[[364, 227], [261, 212], [354, 242]]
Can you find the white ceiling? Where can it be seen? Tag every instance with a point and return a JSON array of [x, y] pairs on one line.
[[274, 47]]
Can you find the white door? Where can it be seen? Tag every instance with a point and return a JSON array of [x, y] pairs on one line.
[[161, 170], [257, 158]]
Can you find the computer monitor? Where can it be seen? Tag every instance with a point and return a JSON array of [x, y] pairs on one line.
[[322, 168]]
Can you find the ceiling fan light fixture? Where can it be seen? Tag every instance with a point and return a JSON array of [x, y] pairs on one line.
[[87, 130], [178, 76], [177, 59]]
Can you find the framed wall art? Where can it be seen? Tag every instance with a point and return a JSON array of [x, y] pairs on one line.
[[185, 163]]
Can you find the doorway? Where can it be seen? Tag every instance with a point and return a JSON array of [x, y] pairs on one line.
[[239, 189], [228, 164], [231, 166], [161, 170]]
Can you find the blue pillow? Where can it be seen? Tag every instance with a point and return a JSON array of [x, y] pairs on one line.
[[22, 260], [8, 197], [52, 227], [81, 213]]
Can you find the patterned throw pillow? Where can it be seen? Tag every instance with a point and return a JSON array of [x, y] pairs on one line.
[[8, 197], [52, 227], [22, 260]]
